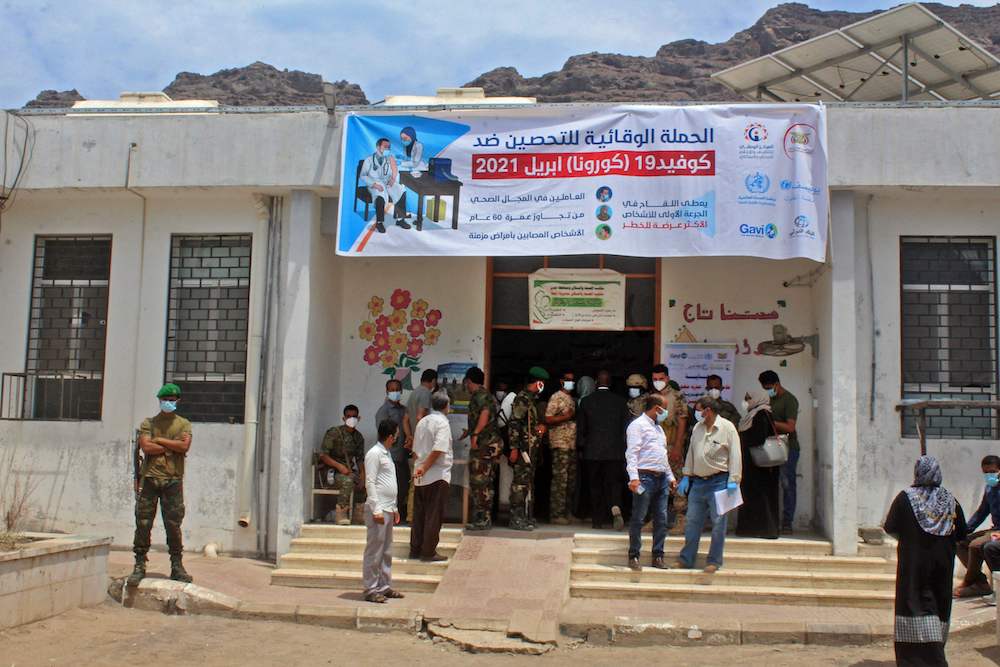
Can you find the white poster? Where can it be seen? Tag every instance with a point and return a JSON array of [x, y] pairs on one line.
[[577, 299], [647, 181], [690, 365]]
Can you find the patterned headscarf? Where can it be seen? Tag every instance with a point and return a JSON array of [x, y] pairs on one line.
[[933, 505]]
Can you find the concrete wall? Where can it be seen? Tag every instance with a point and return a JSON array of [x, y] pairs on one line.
[[744, 283], [885, 459], [85, 468]]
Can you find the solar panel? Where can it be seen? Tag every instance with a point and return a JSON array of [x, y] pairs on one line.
[[868, 61]]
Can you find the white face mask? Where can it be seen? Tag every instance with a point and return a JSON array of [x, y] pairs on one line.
[[659, 385], [715, 393], [568, 385], [634, 392], [699, 415], [352, 422], [745, 406]]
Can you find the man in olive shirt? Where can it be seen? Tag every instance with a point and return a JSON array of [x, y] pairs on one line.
[[343, 449], [164, 440], [784, 410]]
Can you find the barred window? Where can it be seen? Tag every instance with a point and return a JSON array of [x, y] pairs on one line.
[[64, 366], [949, 332], [207, 313]]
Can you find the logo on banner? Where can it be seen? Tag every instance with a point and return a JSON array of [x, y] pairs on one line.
[[802, 228], [795, 191], [799, 138], [755, 145], [757, 185], [768, 231]]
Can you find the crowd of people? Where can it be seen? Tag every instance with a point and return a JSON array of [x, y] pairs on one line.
[[650, 457]]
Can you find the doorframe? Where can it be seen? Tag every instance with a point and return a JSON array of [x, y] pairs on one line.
[[657, 327]]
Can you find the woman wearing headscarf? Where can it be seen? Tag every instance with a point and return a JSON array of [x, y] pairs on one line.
[[759, 516], [413, 149], [928, 523]]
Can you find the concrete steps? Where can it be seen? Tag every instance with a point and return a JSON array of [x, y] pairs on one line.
[[784, 571], [329, 556]]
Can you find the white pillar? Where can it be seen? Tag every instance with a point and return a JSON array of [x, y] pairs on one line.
[[843, 440]]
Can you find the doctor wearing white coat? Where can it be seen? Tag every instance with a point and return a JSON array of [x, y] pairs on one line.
[[380, 174]]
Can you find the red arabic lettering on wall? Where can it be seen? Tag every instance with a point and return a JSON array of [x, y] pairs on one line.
[[694, 312]]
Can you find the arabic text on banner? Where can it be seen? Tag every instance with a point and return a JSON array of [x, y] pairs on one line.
[[577, 299], [690, 365], [647, 181]]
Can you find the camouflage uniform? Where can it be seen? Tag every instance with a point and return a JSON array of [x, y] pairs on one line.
[[562, 441], [676, 405], [347, 448], [483, 458], [524, 420], [637, 405], [161, 480]]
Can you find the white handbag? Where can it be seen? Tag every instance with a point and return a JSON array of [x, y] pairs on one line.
[[774, 451]]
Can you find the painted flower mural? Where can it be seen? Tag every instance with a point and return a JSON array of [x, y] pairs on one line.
[[396, 350]]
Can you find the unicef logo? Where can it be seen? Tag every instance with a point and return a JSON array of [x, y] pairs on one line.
[[771, 230], [757, 183], [755, 132], [801, 222]]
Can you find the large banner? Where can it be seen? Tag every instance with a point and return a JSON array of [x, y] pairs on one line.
[[690, 365], [577, 299], [648, 181]]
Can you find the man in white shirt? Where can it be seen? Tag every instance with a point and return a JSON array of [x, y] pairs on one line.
[[431, 478], [380, 515], [714, 463], [649, 478]]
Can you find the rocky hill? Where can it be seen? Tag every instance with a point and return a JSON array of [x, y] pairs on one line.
[[678, 71]]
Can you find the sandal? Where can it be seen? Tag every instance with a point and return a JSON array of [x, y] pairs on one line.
[[375, 597], [394, 595]]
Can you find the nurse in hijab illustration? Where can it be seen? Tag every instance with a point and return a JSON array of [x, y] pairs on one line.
[[380, 174], [413, 151]]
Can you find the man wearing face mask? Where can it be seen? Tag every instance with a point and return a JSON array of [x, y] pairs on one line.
[[485, 447], [525, 431], [165, 441], [713, 388], [970, 550], [785, 410], [559, 416], [394, 410], [380, 174], [650, 479], [675, 429], [343, 450], [637, 392]]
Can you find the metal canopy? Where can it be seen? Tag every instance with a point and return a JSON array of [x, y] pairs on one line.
[[870, 60]]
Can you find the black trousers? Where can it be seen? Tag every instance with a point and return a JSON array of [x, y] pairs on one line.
[[429, 503], [606, 481], [402, 486], [399, 212]]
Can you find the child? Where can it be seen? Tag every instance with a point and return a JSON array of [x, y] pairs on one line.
[[970, 551], [380, 515]]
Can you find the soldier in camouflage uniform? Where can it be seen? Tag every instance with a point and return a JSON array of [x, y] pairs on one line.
[[164, 440], [526, 431], [675, 429], [343, 450], [638, 390], [559, 417], [485, 446]]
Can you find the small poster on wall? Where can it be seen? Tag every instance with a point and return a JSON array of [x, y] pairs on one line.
[[690, 365], [577, 300]]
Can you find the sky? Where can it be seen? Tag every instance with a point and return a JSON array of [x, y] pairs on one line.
[[103, 47]]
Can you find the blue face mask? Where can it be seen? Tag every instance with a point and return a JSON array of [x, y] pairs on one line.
[[407, 142], [168, 406], [992, 479], [395, 395], [661, 417], [772, 392], [634, 392], [698, 415]]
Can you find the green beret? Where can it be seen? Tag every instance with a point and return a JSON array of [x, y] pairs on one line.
[[538, 373], [169, 389]]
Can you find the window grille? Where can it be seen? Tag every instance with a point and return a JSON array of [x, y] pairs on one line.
[[207, 314], [949, 332]]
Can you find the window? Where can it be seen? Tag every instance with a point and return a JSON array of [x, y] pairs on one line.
[[64, 365], [949, 332], [207, 312]]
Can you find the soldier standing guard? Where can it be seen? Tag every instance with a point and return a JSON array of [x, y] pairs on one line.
[[559, 417], [526, 430], [484, 448], [164, 440], [344, 451]]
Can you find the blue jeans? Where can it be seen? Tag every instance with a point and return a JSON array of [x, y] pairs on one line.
[[657, 491], [788, 487], [701, 501]]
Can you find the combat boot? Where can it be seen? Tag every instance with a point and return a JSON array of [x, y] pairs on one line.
[[518, 521], [481, 521], [177, 571], [340, 517], [138, 572], [358, 516]]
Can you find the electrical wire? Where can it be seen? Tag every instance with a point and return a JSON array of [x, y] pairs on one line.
[[8, 193]]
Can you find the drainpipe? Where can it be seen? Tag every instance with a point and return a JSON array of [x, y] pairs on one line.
[[138, 311]]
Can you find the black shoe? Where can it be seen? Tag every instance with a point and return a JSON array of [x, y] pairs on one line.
[[178, 573], [658, 563], [436, 558], [380, 228], [633, 564], [400, 222]]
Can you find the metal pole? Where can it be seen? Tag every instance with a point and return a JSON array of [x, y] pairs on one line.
[[922, 430], [906, 68]]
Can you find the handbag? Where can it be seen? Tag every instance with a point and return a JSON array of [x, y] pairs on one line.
[[774, 451]]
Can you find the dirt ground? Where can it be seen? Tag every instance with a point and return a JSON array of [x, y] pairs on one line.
[[110, 635]]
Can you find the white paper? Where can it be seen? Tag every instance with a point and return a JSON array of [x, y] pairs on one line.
[[726, 501]]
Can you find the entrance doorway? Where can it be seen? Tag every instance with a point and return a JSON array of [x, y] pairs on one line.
[[513, 347]]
